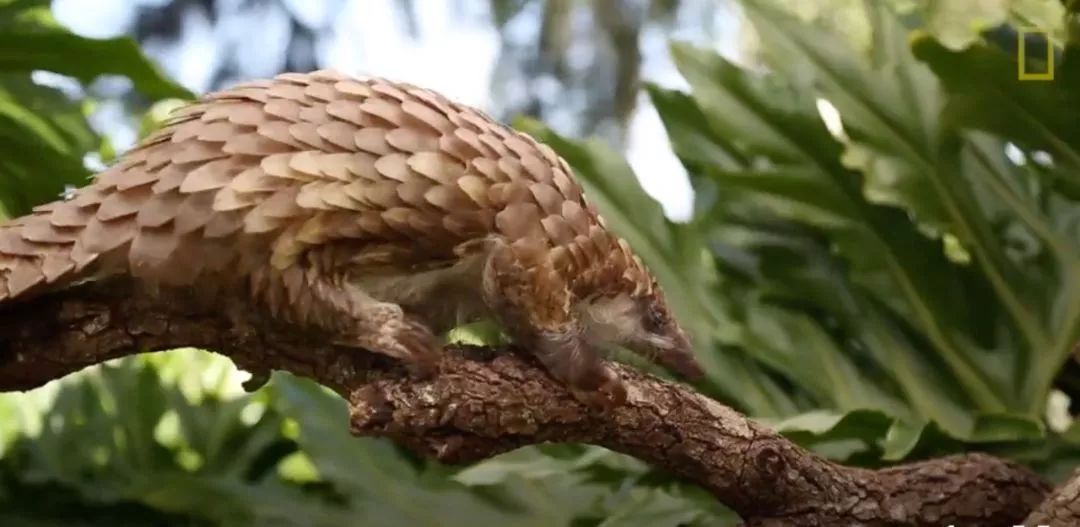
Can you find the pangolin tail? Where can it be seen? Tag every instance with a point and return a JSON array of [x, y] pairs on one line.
[[69, 240], [33, 254]]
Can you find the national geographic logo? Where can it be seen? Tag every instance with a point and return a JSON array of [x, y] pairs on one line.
[[1038, 40]]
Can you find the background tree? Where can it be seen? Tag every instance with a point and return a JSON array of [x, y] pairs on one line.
[[576, 63]]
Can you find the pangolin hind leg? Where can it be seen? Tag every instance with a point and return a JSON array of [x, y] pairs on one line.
[[355, 318], [521, 293]]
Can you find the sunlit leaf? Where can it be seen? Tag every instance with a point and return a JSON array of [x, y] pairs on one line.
[[51, 50]]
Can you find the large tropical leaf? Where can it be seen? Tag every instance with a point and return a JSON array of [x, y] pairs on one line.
[[44, 133], [877, 267], [32, 40], [119, 436]]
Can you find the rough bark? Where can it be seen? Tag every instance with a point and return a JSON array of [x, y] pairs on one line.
[[1061, 508], [487, 401]]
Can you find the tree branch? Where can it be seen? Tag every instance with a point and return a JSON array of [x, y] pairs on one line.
[[1061, 508], [487, 401]]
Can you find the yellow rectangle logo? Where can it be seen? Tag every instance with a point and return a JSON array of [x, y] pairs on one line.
[[1021, 55]]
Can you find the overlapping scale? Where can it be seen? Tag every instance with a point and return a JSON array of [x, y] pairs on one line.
[[270, 171]]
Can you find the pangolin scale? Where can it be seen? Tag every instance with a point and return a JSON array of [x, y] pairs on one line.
[[378, 210]]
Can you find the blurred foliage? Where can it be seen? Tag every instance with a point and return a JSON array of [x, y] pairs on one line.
[[44, 130], [292, 33], [584, 66], [577, 63], [954, 23], [899, 283], [171, 439], [915, 270]]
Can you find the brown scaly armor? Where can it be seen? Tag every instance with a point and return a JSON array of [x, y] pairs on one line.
[[376, 210]]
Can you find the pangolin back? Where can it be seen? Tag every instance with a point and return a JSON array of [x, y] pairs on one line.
[[258, 175]]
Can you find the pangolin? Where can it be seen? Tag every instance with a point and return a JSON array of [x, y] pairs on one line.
[[380, 211]]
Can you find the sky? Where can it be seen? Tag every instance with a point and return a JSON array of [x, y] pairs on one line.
[[452, 55]]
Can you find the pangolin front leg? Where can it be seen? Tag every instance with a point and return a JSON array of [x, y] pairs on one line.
[[535, 304]]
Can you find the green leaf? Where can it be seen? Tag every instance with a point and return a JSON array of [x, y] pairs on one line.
[[872, 435], [993, 428], [810, 186], [394, 490], [957, 23], [99, 445], [31, 172], [823, 424], [27, 51], [903, 264], [906, 440], [889, 107], [1035, 115], [657, 509], [46, 135], [850, 437]]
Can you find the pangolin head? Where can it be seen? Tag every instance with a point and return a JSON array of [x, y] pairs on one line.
[[642, 322]]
